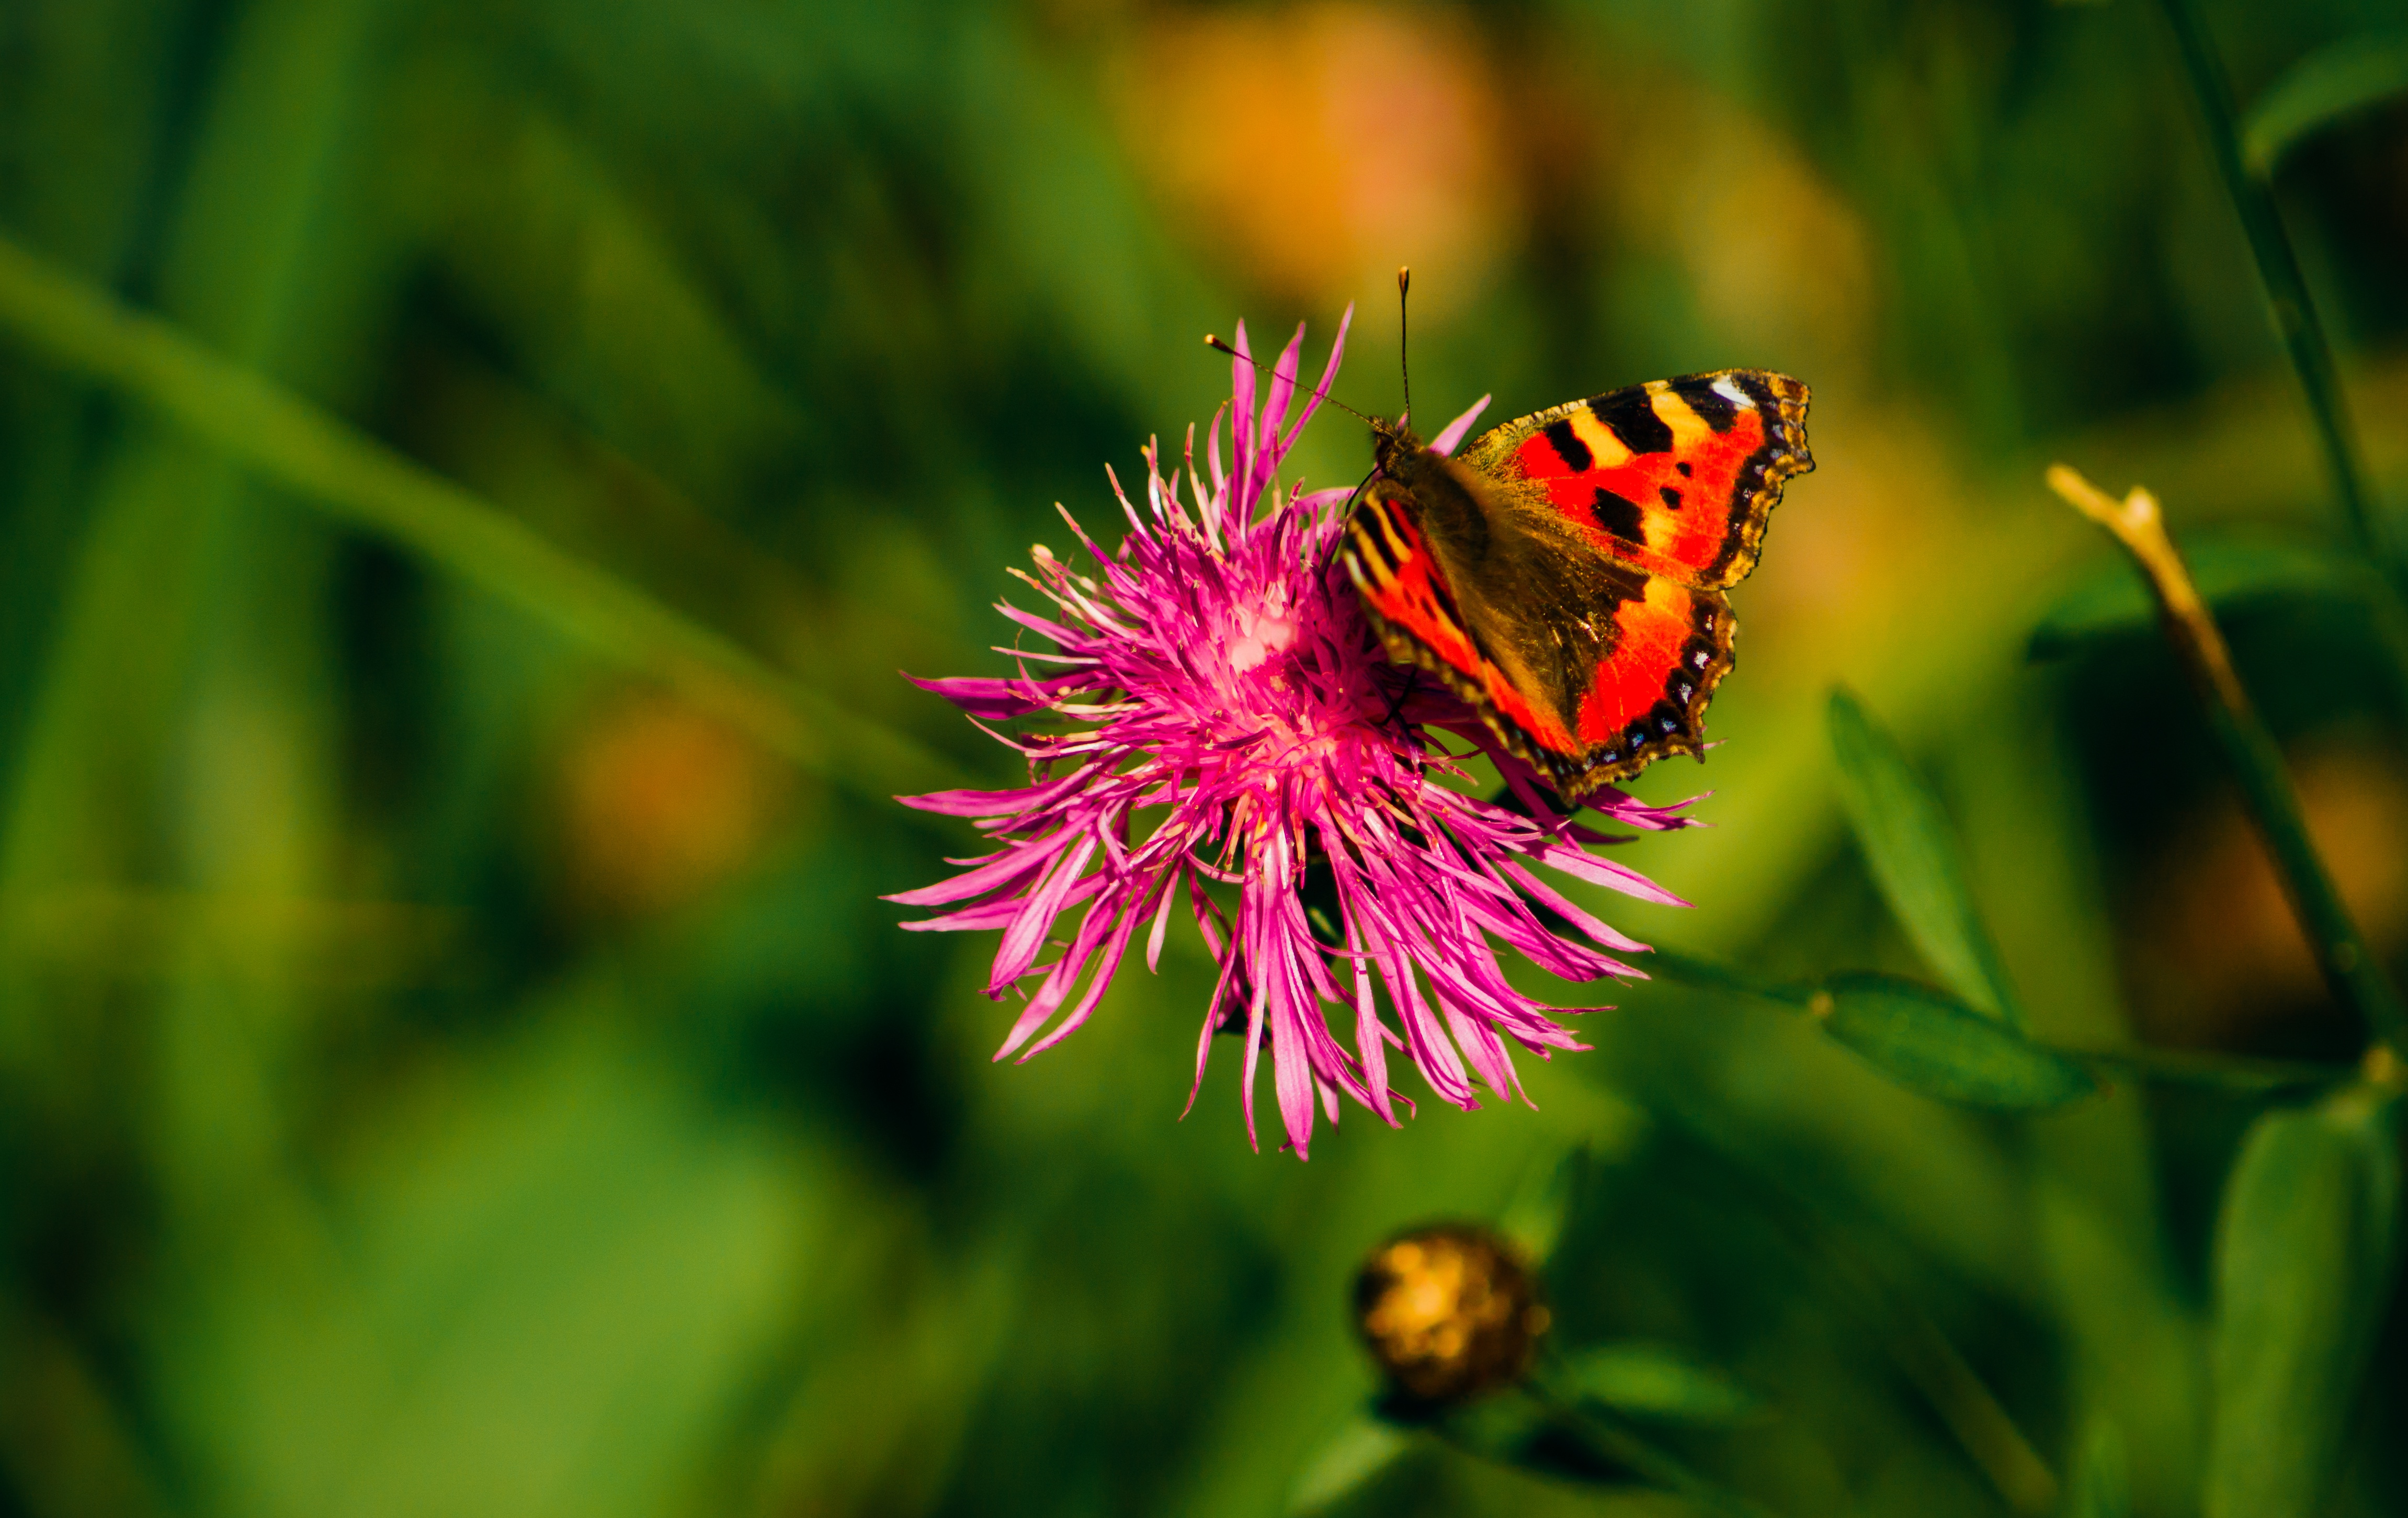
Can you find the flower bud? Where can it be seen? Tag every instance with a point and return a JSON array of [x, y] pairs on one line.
[[1449, 1312]]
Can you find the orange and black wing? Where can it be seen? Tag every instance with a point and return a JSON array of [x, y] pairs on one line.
[[1587, 667], [1676, 476]]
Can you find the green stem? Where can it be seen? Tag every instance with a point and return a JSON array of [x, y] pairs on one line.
[[2287, 291], [356, 480], [2168, 1067], [2351, 967], [2355, 976], [2213, 1071], [1712, 975]]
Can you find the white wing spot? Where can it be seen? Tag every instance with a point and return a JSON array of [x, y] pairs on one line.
[[1731, 392]]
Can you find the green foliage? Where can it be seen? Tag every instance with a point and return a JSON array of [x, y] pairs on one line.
[[333, 467], [2330, 84], [1913, 852], [1363, 1449], [471, 473], [1929, 1041], [1654, 1380], [2101, 1486], [2234, 572], [2305, 1256], [470, 1296]]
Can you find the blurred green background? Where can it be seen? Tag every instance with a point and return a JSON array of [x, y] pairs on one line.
[[452, 1059]]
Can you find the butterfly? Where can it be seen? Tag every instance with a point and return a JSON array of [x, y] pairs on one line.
[[1564, 573]]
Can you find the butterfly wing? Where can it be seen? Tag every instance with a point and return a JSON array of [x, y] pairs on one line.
[[1565, 574], [1587, 667], [1677, 477]]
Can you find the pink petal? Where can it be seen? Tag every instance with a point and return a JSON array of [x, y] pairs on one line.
[[1328, 377], [999, 871], [1605, 872], [1454, 431], [1242, 425], [998, 699], [1276, 403], [1563, 906], [1026, 933], [997, 803]]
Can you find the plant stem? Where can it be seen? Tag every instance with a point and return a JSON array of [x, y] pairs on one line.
[[2213, 1071], [2169, 1067], [2286, 292], [2356, 975], [354, 479], [1713, 976]]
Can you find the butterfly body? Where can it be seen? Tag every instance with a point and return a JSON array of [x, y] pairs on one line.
[[1564, 572]]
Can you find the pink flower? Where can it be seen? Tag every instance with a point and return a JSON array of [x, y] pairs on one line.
[[1226, 718]]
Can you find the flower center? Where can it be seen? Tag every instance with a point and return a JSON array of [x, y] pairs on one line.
[[1262, 633]]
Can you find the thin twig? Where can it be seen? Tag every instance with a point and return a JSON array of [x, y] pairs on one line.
[[2356, 975]]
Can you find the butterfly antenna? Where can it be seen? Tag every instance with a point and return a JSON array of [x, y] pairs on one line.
[[1404, 283], [1218, 346]]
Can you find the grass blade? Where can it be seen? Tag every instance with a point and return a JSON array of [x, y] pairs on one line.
[[2287, 292], [350, 476]]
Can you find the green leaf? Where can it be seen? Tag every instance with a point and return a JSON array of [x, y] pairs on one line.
[[1361, 1451], [2229, 569], [2336, 80], [1654, 1381], [1929, 1041], [2303, 1255], [1911, 850]]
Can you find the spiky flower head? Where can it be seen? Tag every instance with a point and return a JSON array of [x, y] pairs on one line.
[[1229, 742]]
